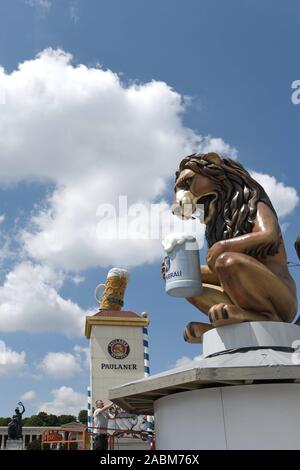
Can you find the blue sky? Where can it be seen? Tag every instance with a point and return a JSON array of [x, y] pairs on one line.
[[231, 63]]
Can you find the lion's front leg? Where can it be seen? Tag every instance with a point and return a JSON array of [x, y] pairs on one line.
[[212, 294], [212, 291], [208, 276]]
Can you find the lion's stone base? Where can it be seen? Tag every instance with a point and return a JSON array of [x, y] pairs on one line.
[[259, 334]]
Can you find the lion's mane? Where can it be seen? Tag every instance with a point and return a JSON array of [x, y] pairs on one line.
[[238, 196]]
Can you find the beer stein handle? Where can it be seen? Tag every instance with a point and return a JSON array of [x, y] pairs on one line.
[[100, 286]]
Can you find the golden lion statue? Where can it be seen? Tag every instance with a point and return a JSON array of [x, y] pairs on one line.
[[246, 277]]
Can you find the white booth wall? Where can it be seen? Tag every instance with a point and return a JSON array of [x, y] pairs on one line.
[[260, 416]]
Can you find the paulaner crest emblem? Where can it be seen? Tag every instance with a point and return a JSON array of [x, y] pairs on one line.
[[118, 348]]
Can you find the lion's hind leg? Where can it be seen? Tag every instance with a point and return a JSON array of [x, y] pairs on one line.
[[255, 290]]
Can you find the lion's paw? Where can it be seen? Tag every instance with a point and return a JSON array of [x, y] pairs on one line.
[[224, 314]]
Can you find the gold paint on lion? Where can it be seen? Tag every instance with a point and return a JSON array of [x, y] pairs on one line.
[[246, 277]]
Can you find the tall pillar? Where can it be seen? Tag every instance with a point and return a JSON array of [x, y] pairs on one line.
[[116, 348]]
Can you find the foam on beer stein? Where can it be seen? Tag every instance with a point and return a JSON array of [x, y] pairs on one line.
[[177, 238], [114, 289]]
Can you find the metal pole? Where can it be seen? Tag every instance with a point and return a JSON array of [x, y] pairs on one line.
[[90, 418], [147, 366], [146, 352]]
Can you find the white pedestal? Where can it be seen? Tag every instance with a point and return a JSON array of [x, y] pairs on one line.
[[260, 334], [242, 394], [14, 444], [261, 416]]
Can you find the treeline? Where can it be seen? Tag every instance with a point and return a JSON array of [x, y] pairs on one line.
[[45, 419]]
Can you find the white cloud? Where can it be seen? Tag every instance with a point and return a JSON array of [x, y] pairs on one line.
[[64, 365], [104, 139], [2, 218], [28, 396], [74, 12], [65, 401], [78, 279], [63, 246], [42, 4], [60, 365], [216, 144], [284, 227], [6, 251], [83, 354], [87, 112], [10, 361], [30, 302], [186, 362], [284, 198]]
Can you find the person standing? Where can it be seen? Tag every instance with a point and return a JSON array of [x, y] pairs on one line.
[[101, 416]]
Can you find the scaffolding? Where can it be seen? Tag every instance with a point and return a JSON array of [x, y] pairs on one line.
[[116, 439]]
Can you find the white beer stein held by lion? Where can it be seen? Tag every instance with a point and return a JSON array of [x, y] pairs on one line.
[[182, 265]]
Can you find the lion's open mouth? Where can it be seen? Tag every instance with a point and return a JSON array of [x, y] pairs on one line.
[[208, 204]]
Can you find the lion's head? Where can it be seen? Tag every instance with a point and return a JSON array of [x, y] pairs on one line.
[[227, 191]]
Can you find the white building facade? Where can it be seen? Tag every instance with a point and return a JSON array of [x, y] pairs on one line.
[[30, 433]]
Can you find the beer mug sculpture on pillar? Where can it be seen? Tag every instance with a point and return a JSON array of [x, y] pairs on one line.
[[182, 265], [114, 289]]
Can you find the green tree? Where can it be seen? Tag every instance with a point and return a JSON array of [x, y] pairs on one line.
[[82, 416], [51, 420], [4, 421], [34, 420], [45, 419], [64, 419], [41, 419]]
